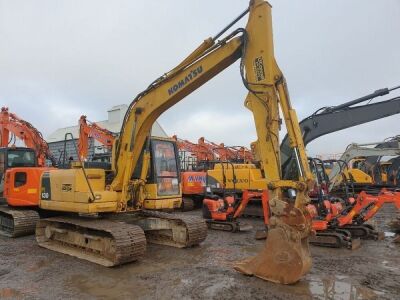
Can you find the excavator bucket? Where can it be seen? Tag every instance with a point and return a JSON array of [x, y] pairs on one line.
[[286, 255], [284, 259]]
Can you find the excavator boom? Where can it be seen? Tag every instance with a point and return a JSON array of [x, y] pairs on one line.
[[11, 124]]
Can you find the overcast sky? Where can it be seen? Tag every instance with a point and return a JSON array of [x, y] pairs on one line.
[[61, 59]]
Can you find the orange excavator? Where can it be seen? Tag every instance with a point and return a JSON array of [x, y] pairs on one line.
[[222, 152], [195, 159], [242, 154], [199, 152], [343, 226], [13, 127], [89, 130], [18, 215], [341, 222]]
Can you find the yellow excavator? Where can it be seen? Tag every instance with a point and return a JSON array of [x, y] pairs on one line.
[[108, 221]]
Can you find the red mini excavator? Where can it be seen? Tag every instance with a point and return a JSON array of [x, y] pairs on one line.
[[221, 212], [341, 222]]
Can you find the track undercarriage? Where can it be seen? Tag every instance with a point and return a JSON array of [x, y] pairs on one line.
[[348, 236], [231, 226], [121, 238], [17, 222]]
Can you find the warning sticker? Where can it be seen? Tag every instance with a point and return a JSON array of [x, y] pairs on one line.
[[259, 68]]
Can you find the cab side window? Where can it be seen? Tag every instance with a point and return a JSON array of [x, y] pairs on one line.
[[20, 179]]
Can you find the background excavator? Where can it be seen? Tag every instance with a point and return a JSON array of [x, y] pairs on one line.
[[194, 161], [20, 171], [12, 128], [222, 152], [359, 179], [341, 221], [90, 130], [286, 256], [376, 168], [197, 159]]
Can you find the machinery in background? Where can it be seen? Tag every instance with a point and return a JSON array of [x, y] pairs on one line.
[[13, 127], [324, 121], [88, 130], [221, 152], [392, 172], [340, 222], [331, 119], [242, 154], [222, 209], [342, 225], [197, 160], [20, 171], [340, 177], [194, 160], [373, 165]]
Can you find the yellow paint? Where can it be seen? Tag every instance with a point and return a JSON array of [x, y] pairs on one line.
[[32, 191]]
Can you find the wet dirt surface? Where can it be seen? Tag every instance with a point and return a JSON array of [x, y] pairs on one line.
[[205, 272]]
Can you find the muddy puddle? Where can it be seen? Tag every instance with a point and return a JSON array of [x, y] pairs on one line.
[[340, 288], [7, 293]]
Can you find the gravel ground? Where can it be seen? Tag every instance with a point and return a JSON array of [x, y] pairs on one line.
[[370, 272]]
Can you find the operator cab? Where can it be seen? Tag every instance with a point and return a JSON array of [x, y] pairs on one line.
[[15, 157], [165, 170], [163, 189]]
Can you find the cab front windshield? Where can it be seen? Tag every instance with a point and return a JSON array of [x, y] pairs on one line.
[[166, 168], [18, 158]]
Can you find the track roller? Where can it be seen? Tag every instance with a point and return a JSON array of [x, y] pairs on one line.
[[335, 239], [363, 231]]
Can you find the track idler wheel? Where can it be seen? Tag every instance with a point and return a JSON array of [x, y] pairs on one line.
[[286, 255]]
